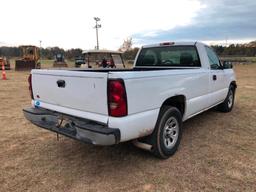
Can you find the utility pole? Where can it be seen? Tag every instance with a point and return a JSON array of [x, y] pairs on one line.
[[97, 26], [226, 41]]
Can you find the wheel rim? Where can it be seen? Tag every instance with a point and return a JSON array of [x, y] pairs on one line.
[[171, 132], [230, 99]]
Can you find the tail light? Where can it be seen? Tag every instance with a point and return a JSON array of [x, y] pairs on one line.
[[117, 100], [30, 86]]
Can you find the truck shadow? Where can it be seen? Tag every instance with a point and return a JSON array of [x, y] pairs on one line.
[[86, 165], [86, 159]]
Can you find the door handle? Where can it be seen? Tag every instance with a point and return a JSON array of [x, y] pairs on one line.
[[214, 77], [61, 83]]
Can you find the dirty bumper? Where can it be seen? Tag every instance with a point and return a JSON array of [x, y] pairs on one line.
[[81, 129]]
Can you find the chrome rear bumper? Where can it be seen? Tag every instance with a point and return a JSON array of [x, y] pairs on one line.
[[80, 129]]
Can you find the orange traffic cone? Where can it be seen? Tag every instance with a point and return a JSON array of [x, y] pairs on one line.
[[3, 72]]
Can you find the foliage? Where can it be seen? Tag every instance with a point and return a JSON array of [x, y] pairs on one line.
[[130, 54], [72, 53], [46, 53], [10, 51], [248, 50], [126, 48], [127, 45], [245, 50]]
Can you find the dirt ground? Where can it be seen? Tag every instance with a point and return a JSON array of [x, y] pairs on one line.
[[217, 151]]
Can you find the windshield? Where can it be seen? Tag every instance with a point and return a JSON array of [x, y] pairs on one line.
[[173, 56], [104, 60]]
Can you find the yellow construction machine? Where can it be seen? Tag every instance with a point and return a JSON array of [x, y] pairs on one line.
[[30, 58]]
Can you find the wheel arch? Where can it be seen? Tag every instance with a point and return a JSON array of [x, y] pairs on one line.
[[178, 101], [233, 83]]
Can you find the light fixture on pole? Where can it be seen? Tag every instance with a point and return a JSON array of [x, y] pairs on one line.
[[97, 26]]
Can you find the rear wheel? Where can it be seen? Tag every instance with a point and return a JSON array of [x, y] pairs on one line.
[[228, 103], [167, 134]]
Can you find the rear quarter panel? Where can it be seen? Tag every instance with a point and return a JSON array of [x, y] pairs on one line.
[[148, 90]]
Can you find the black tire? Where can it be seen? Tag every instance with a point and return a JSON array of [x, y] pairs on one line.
[[228, 103], [161, 135]]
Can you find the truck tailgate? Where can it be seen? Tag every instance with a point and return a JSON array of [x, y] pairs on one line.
[[71, 90]]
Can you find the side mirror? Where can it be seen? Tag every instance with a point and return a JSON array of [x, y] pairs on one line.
[[227, 65]]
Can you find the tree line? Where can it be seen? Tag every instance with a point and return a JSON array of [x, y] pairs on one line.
[[246, 50], [46, 53]]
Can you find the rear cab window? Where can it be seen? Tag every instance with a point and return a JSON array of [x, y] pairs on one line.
[[169, 56]]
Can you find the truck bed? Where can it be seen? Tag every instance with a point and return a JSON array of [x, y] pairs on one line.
[[85, 91]]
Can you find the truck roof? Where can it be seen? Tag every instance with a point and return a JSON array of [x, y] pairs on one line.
[[102, 51], [171, 43]]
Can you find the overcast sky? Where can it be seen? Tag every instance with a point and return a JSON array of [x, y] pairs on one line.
[[69, 23]]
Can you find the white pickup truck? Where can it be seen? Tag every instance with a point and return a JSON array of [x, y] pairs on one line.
[[169, 83]]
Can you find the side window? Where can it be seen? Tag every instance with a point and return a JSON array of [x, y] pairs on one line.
[[213, 59]]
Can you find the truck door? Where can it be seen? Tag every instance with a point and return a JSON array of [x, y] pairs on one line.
[[217, 78]]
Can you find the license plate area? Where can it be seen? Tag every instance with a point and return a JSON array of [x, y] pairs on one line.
[[64, 122]]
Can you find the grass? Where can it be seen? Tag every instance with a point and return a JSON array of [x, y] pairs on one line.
[[217, 151]]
